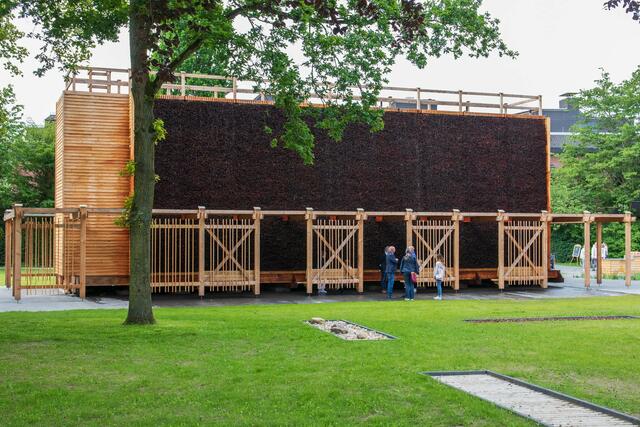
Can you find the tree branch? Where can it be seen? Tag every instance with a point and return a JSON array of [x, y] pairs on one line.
[[166, 72]]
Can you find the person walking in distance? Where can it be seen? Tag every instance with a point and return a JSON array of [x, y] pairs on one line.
[[390, 270], [383, 268], [439, 272], [409, 267]]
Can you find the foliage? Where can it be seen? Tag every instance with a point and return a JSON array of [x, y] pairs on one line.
[[601, 173], [249, 365], [631, 7], [27, 161]]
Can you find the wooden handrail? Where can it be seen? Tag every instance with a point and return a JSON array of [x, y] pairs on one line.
[[101, 79]]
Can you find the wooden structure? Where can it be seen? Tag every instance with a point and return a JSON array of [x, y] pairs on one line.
[[435, 234], [92, 148], [218, 250], [335, 253]]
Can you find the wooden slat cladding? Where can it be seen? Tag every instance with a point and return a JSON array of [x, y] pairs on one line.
[[92, 147]]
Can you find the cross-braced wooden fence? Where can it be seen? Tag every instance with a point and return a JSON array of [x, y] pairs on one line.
[[335, 258], [438, 234], [523, 253]]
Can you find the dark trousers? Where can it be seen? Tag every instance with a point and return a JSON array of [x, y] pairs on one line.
[[391, 279], [409, 290], [383, 280]]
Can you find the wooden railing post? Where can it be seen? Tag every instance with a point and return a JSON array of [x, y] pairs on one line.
[[418, 100], [586, 219], [257, 216], [539, 105], [408, 219], [183, 83], [8, 237], [202, 216], [599, 253], [83, 251], [628, 219], [501, 217], [17, 251], [456, 218], [545, 218], [360, 217], [501, 103], [460, 101], [309, 216]]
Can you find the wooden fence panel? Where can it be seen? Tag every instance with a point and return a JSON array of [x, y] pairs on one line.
[[230, 253], [174, 259], [434, 237], [336, 252], [524, 248]]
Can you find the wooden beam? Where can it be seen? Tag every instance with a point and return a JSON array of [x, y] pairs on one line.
[[456, 218], [257, 216], [545, 218], [17, 251], [599, 253], [7, 252], [586, 219], [501, 219], [360, 217], [83, 251], [309, 216], [627, 248], [202, 217], [409, 217]]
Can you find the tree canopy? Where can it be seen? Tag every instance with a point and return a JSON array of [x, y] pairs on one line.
[[601, 172]]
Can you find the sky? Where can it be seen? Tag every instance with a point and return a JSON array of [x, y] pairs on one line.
[[562, 46]]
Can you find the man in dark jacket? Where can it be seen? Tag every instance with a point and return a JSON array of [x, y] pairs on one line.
[[383, 268], [391, 265]]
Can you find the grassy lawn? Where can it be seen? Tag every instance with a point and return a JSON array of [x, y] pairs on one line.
[[262, 365]]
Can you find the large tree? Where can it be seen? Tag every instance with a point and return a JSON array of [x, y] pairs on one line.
[[336, 45]]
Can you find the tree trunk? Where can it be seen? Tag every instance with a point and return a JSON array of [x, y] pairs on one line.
[[140, 307]]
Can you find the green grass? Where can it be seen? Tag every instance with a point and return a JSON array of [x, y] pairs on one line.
[[261, 365], [33, 277]]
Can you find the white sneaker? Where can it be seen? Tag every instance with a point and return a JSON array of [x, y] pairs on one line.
[[438, 298]]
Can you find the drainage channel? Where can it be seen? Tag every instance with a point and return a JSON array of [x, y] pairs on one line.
[[542, 405], [548, 319], [349, 331]]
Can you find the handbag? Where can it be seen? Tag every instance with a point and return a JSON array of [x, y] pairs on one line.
[[414, 277]]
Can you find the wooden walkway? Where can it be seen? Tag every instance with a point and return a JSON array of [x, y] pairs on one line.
[[541, 405]]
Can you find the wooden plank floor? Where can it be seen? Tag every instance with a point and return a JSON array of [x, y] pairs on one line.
[[541, 407]]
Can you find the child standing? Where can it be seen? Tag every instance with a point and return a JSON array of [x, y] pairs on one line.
[[439, 272]]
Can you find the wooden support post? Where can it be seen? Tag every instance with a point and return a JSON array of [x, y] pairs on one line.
[[545, 218], [202, 217], [17, 251], [8, 237], [309, 217], [586, 219], [257, 216], [501, 217], [418, 100], [83, 251], [409, 217], [360, 217], [460, 101], [628, 219], [599, 253], [501, 103], [540, 105], [234, 88], [456, 218], [183, 82]]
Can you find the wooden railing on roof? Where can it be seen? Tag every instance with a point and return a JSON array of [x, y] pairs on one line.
[[116, 80]]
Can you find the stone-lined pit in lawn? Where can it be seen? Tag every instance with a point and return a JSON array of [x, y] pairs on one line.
[[348, 330]]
